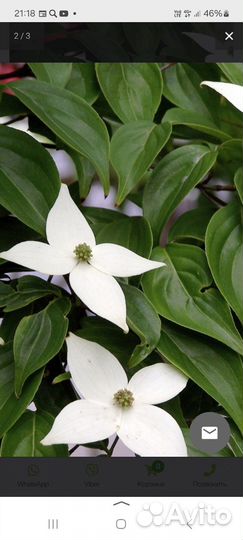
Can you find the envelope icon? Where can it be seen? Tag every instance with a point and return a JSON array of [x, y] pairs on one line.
[[210, 432]]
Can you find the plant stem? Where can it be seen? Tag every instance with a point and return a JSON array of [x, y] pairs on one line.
[[212, 198], [168, 66], [73, 449], [111, 449], [220, 188]]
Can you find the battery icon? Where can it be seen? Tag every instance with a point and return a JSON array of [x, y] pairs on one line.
[[63, 13]]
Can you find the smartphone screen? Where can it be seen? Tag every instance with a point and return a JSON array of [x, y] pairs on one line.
[[121, 264]]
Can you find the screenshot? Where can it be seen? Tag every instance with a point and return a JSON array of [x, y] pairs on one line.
[[121, 267]]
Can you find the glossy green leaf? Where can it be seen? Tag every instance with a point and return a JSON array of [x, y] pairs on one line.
[[133, 233], [181, 292], [143, 321], [57, 74], [134, 147], [99, 217], [191, 224], [6, 293], [72, 119], [29, 180], [23, 439], [238, 180], [10, 105], [29, 289], [212, 366], [230, 153], [197, 121], [224, 249], [66, 376], [233, 72], [11, 408], [85, 173], [38, 339], [182, 87], [120, 83], [11, 321], [83, 82], [173, 178]]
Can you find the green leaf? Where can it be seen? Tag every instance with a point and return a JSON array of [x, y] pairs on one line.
[[10, 105], [134, 147], [120, 83], [181, 292], [182, 87], [133, 233], [143, 321], [98, 217], [11, 321], [29, 180], [224, 249], [6, 293], [196, 121], [173, 178], [212, 366], [85, 172], [230, 153], [38, 338], [11, 408], [192, 224], [29, 289], [53, 73], [23, 439], [238, 181], [233, 72], [62, 377], [83, 82], [72, 119]]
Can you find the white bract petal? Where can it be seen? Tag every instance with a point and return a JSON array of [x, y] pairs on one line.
[[232, 92], [150, 431], [66, 227], [40, 257], [96, 373], [157, 383], [82, 422], [120, 261], [100, 293]]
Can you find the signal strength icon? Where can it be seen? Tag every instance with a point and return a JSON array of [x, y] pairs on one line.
[[197, 14]]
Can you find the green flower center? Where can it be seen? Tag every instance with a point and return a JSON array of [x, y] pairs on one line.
[[83, 252], [123, 398]]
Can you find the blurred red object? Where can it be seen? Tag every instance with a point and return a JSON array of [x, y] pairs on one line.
[[8, 70]]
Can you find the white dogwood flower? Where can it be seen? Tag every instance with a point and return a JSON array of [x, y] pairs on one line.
[[232, 92], [72, 249], [111, 404]]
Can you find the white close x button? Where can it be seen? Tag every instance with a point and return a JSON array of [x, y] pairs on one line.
[[229, 36]]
